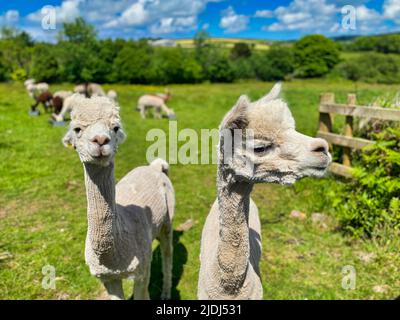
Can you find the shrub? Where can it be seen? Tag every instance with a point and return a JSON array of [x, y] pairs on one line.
[[388, 44], [240, 50], [371, 203], [132, 64], [19, 75], [315, 56], [277, 63], [44, 64], [372, 67], [364, 44], [243, 69]]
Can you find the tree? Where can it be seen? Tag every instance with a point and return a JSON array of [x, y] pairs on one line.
[[240, 50], [78, 32], [15, 49], [388, 44], [277, 63], [44, 63], [132, 63], [315, 56]]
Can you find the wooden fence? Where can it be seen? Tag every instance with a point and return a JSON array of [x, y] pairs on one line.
[[328, 108]]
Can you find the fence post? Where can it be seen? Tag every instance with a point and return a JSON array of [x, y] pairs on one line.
[[348, 130], [325, 119]]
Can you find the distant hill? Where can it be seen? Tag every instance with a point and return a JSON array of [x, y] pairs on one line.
[[227, 42]]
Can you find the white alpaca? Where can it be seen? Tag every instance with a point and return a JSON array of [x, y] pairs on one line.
[[90, 90], [157, 102], [63, 94], [68, 104], [112, 94], [35, 89], [123, 219], [231, 239]]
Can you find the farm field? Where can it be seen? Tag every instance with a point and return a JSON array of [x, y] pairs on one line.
[[227, 43], [43, 202]]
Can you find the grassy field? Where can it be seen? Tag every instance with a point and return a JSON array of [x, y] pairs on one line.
[[43, 204], [227, 43]]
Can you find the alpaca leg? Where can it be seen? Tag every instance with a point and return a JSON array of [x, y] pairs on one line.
[[33, 107], [157, 113], [142, 109], [141, 285], [114, 289], [166, 109], [167, 259]]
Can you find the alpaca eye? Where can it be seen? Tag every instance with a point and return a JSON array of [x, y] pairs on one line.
[[77, 130], [262, 149], [116, 129]]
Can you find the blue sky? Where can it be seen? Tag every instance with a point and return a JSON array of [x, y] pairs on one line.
[[283, 19]]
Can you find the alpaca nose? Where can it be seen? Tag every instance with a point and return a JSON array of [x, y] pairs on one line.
[[319, 145], [101, 140]]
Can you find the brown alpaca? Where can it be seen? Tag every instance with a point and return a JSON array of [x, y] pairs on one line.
[[44, 98]]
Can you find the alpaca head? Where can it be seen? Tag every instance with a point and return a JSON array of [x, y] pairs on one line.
[[269, 148], [95, 129]]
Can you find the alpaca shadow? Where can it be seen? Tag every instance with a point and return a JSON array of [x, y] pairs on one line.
[[179, 260], [255, 249]]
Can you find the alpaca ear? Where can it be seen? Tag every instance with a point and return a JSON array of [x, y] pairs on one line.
[[237, 117], [68, 140], [272, 95]]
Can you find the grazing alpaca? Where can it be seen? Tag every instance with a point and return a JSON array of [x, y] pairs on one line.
[[231, 239], [112, 94], [90, 90], [36, 89], [67, 106], [45, 99], [63, 94], [156, 101], [57, 103], [123, 219]]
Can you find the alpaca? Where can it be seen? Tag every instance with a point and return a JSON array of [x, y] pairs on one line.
[[67, 106], [63, 94], [90, 89], [57, 103], [231, 238], [36, 89], [112, 94], [123, 219], [45, 99], [156, 101], [29, 81]]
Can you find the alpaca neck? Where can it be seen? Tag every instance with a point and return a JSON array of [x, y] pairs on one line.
[[233, 243], [101, 211]]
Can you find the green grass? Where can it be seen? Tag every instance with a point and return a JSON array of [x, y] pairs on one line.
[[43, 205]]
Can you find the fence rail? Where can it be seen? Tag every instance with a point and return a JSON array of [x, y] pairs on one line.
[[328, 108]]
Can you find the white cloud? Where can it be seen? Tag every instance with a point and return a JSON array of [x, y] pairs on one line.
[[305, 15], [264, 14], [134, 16], [324, 16], [232, 22], [391, 10], [9, 17], [161, 16], [67, 11], [170, 25]]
